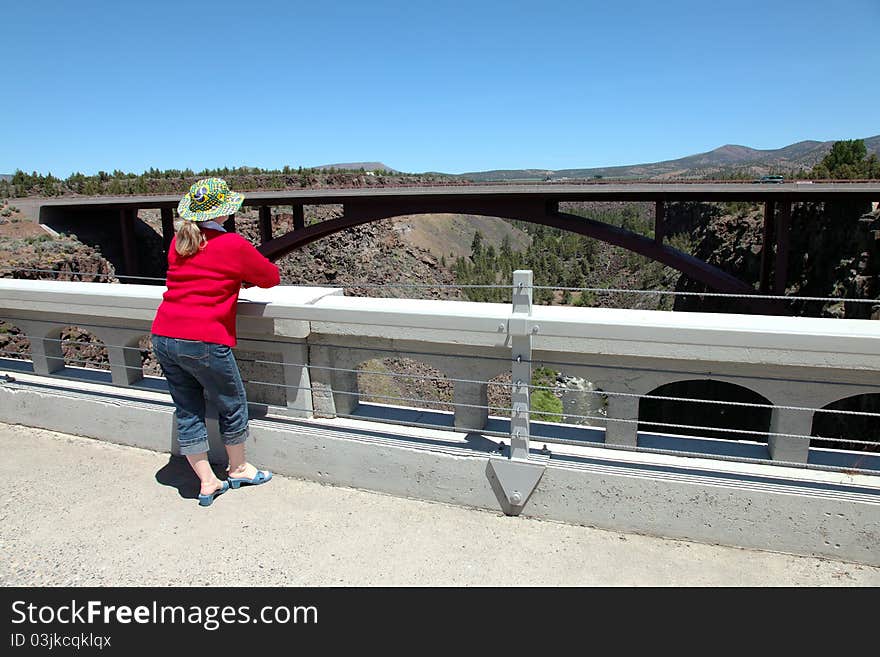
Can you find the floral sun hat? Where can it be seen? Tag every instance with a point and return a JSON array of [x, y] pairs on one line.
[[208, 199]]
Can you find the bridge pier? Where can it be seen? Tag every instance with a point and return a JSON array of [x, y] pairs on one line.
[[767, 247], [126, 367], [783, 241], [794, 448], [265, 223], [333, 391], [167, 229], [127, 218], [471, 402], [297, 379], [622, 432], [46, 353], [299, 217], [659, 221]]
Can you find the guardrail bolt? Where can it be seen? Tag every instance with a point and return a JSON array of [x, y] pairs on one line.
[[516, 498]]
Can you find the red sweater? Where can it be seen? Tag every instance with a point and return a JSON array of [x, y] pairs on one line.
[[202, 293]]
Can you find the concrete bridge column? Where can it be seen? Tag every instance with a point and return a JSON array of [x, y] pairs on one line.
[[45, 342], [333, 391], [126, 367], [622, 433], [785, 448], [297, 379], [476, 414]]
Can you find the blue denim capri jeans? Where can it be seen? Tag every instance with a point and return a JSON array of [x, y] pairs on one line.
[[192, 369]]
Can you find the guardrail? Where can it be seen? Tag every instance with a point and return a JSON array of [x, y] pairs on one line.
[[303, 349]]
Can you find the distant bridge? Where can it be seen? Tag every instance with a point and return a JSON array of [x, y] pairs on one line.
[[538, 204]]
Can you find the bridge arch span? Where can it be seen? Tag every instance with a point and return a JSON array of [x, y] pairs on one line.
[[528, 210]]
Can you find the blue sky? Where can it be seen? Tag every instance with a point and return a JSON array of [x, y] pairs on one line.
[[427, 86]]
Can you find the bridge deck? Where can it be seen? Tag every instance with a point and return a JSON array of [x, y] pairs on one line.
[[124, 516], [552, 192]]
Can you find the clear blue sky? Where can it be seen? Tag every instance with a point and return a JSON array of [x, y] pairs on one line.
[[427, 86]]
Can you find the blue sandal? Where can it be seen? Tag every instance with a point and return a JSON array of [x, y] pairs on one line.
[[262, 477], [207, 500]]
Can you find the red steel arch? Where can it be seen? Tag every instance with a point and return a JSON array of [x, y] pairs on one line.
[[534, 211]]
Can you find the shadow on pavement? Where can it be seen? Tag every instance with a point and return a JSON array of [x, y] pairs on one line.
[[178, 474]]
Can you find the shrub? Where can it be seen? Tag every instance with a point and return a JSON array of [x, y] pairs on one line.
[[548, 407]]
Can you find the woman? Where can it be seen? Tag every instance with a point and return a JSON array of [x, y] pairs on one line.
[[194, 331]]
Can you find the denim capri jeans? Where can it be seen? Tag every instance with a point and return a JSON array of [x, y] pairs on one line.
[[193, 369]]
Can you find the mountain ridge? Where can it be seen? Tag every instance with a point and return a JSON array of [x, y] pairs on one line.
[[729, 158]]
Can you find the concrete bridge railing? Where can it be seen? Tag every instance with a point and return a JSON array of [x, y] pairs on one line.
[[300, 349]]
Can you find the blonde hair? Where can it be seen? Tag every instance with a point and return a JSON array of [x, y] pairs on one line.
[[190, 239]]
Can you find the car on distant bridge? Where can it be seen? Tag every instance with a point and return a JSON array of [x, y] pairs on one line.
[[770, 179]]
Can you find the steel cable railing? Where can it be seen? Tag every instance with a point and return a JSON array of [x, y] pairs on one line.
[[603, 393], [596, 418], [581, 443], [539, 362], [598, 290], [406, 354]]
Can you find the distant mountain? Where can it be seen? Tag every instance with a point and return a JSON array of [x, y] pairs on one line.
[[356, 166], [5, 176], [727, 159]]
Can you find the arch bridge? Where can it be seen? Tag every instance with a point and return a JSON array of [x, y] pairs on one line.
[[537, 204]]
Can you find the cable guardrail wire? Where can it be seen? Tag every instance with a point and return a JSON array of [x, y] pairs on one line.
[[567, 415], [444, 378], [506, 384], [497, 286], [504, 359], [581, 443], [602, 418]]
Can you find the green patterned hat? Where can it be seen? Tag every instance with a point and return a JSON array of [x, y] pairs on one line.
[[207, 199]]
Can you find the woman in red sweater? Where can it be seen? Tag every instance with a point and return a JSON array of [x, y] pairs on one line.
[[194, 331]]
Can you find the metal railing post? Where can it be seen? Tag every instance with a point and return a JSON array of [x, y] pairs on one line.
[[521, 364], [517, 475]]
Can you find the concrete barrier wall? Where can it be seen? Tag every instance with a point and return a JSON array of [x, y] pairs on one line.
[[762, 507]]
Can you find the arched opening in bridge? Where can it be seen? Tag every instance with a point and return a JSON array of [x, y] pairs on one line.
[[82, 349], [843, 426], [14, 344], [704, 414], [400, 381]]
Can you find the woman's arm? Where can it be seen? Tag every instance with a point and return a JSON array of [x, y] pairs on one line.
[[256, 268]]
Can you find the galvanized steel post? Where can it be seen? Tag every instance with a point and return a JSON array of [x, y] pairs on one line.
[[521, 366], [517, 475]]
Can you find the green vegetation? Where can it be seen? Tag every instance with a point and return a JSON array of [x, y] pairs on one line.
[[154, 181], [545, 406], [565, 259], [848, 160]]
